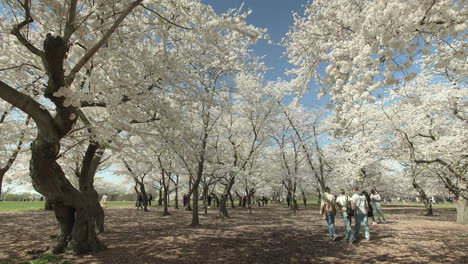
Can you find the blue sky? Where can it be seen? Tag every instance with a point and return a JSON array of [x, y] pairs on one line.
[[277, 17], [274, 15]]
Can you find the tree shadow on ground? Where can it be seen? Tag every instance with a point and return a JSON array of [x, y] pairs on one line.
[[268, 235]]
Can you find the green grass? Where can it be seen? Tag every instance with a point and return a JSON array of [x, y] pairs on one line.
[[8, 206], [434, 206], [13, 206], [44, 259]]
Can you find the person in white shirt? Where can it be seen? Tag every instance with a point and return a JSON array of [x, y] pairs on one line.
[[104, 200], [359, 204], [375, 200], [328, 207], [343, 202]]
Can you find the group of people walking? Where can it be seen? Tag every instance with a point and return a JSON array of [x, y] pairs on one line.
[[361, 205], [140, 201]]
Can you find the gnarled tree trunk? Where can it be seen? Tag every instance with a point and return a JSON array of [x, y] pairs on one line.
[[223, 212], [423, 196], [75, 211]]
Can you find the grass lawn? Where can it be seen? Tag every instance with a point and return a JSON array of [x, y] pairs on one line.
[[434, 206], [10, 206]]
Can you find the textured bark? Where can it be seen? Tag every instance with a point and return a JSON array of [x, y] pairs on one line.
[[176, 189], [145, 196], [205, 198], [304, 198], [462, 211], [223, 211], [2, 174], [240, 199], [424, 199], [165, 185], [91, 161], [160, 197], [195, 219], [232, 200], [74, 211]]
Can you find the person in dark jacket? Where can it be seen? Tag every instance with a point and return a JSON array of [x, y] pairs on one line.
[[150, 198], [370, 212]]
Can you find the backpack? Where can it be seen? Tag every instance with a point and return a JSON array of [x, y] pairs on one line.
[[349, 210], [329, 207]]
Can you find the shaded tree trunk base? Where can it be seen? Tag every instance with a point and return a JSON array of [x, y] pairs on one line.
[[462, 211]]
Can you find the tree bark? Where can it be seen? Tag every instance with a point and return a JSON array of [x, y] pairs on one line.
[[160, 196], [195, 220], [165, 185], [145, 196], [205, 198], [176, 183], [2, 174], [91, 162], [462, 211], [223, 212], [232, 200], [75, 211], [423, 196], [304, 198], [239, 204]]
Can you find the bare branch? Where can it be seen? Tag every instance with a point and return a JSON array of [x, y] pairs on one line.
[[165, 19], [71, 76], [70, 25], [16, 31]]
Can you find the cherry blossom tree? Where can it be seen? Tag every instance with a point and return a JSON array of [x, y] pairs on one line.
[[380, 46], [67, 53]]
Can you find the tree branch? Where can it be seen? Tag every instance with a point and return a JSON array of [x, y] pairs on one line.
[[16, 31], [70, 25], [38, 113], [165, 19], [71, 76]]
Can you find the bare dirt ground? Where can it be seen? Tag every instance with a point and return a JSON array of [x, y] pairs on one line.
[[268, 235]]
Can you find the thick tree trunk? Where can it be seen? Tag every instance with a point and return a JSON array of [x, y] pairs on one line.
[[160, 197], [166, 192], [176, 206], [423, 196], [48, 206], [91, 162], [166, 202], [223, 212], [205, 198], [189, 202], [304, 198], [2, 174], [239, 204], [232, 200], [145, 196], [74, 211], [462, 211], [189, 194], [195, 220]]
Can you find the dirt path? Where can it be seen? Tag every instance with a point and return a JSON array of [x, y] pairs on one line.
[[269, 235]]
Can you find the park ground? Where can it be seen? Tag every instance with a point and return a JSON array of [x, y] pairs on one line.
[[268, 235]]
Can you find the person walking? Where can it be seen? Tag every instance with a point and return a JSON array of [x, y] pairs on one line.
[[375, 200], [360, 206], [370, 208], [343, 202], [328, 209], [150, 198], [139, 201], [104, 200]]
